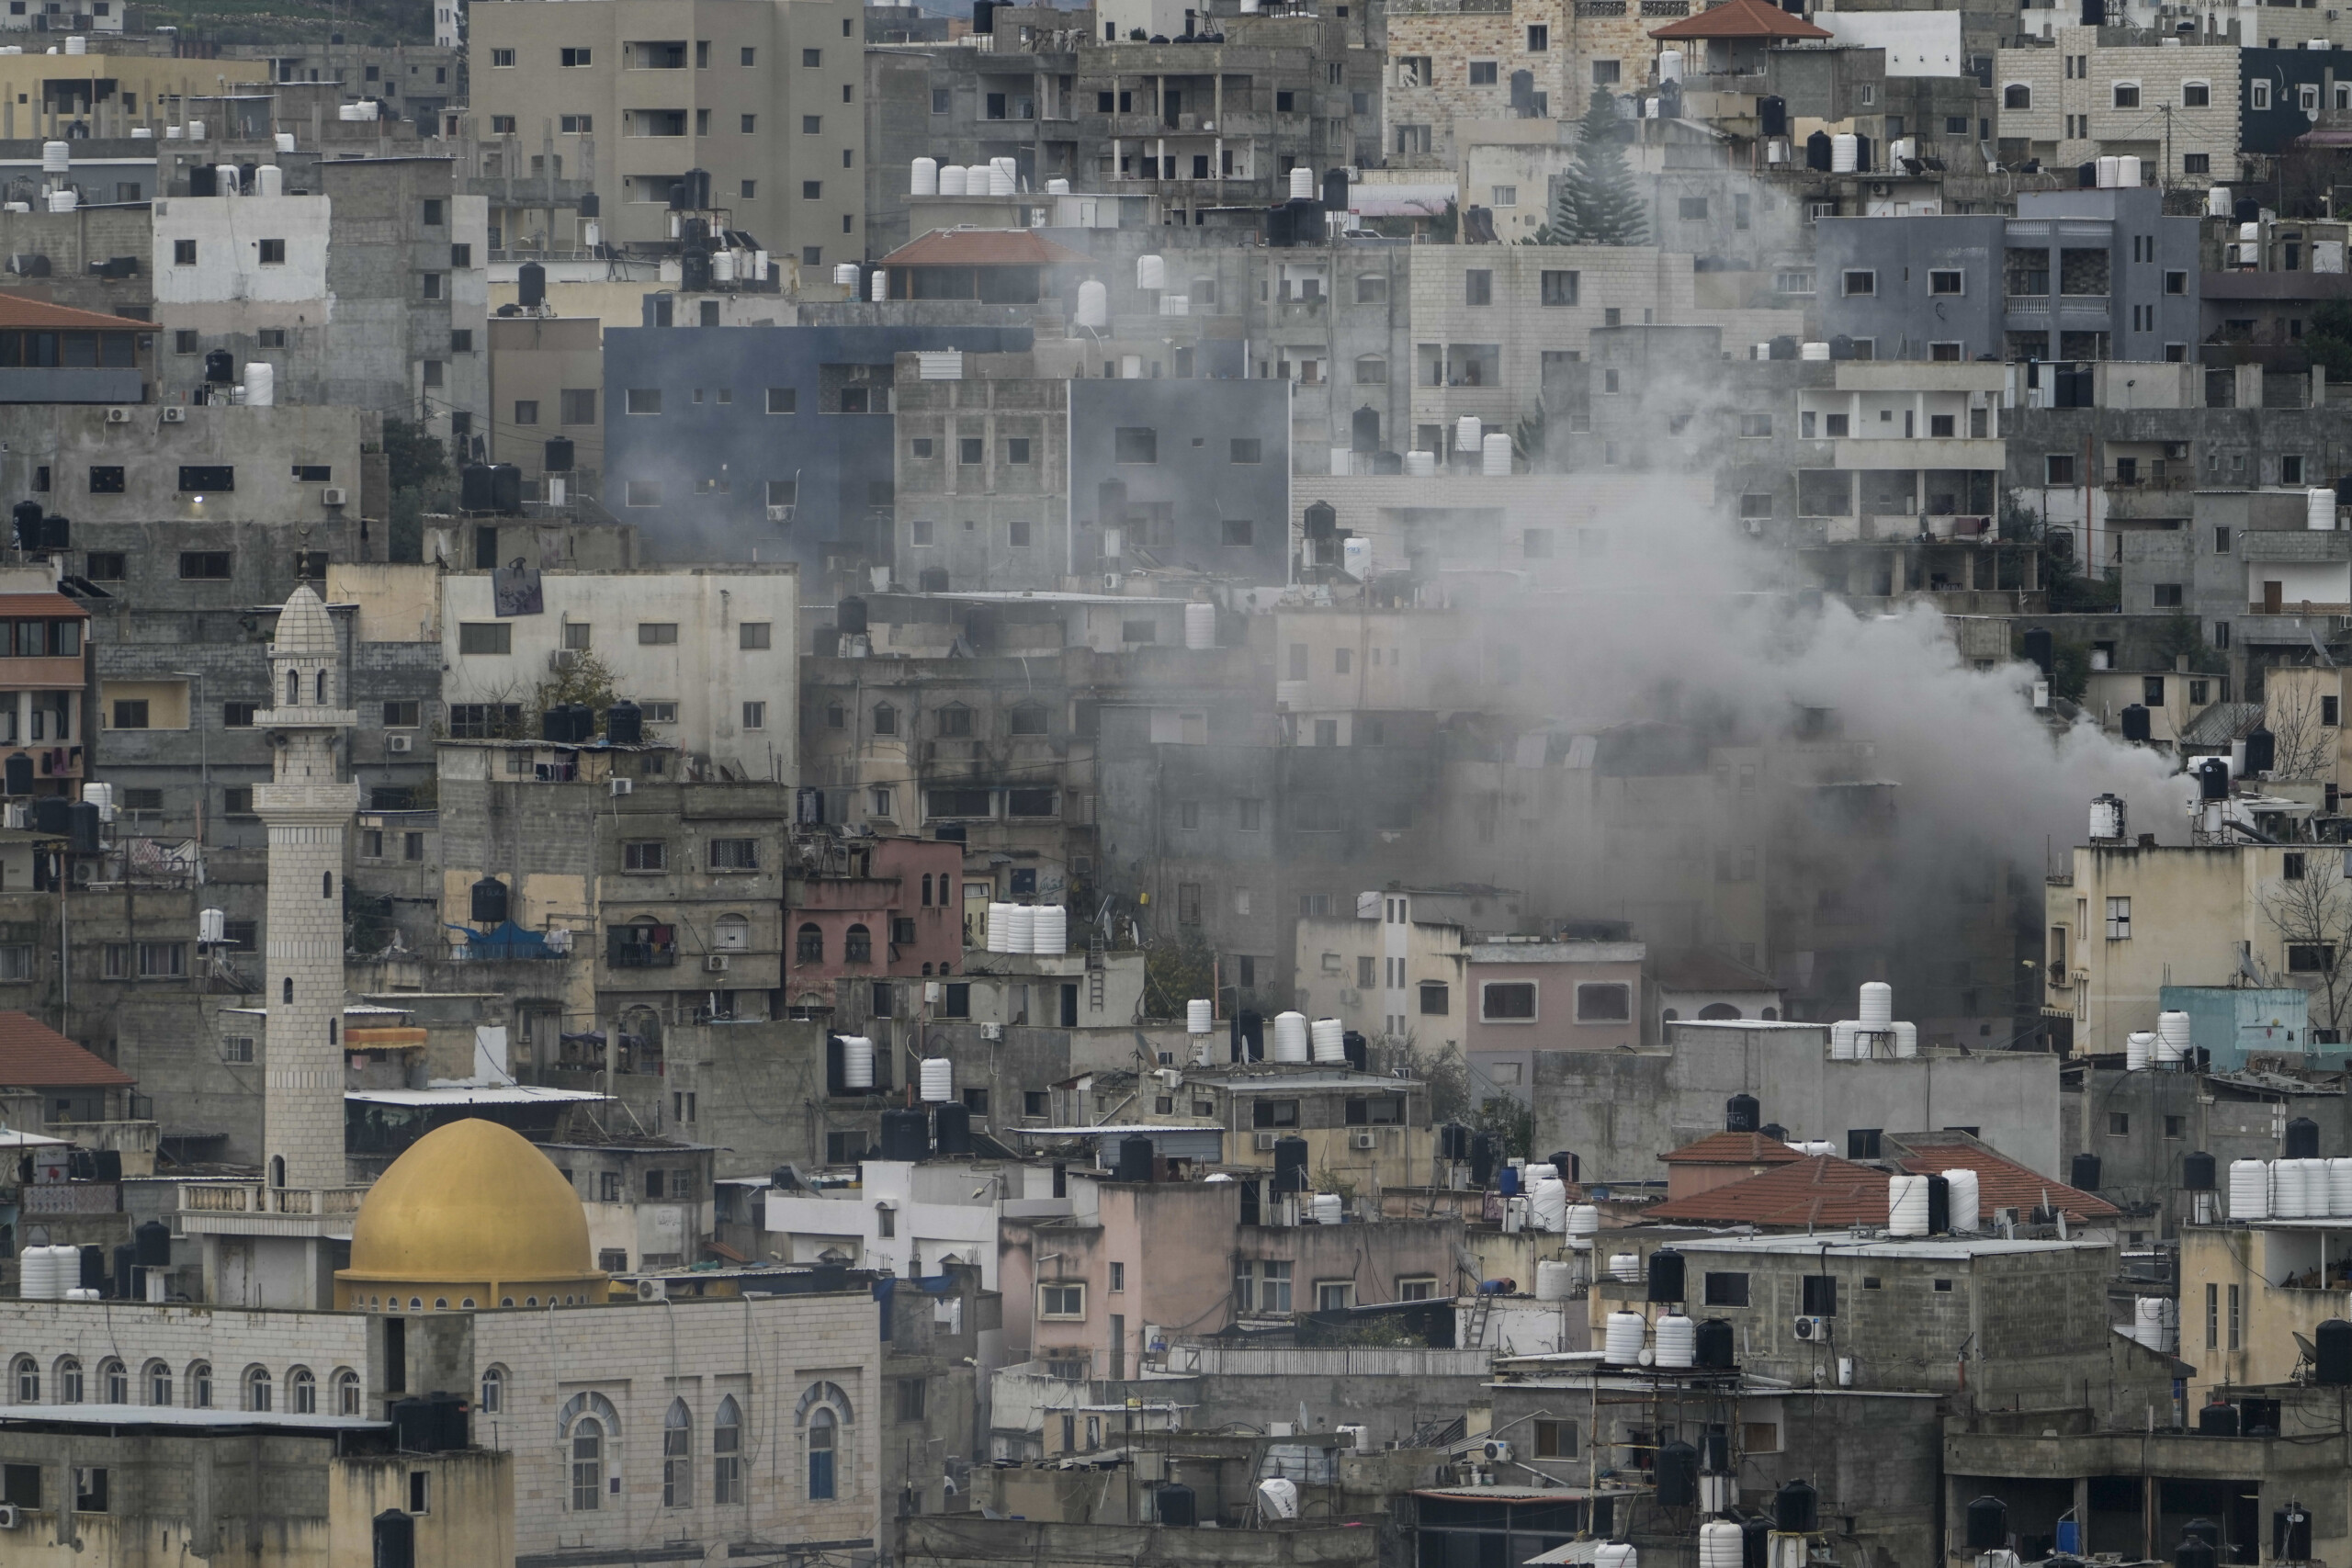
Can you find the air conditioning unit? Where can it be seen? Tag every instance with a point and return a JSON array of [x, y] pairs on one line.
[[1366, 1140], [564, 659], [118, 417], [1172, 1078], [622, 786], [1813, 1330], [715, 963], [400, 745], [11, 1517], [1263, 1142], [1753, 525], [779, 514], [653, 1289], [1497, 1450], [333, 495], [176, 415]]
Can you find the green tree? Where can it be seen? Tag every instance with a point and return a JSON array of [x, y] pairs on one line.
[[2329, 338], [1596, 203], [420, 479], [589, 682]]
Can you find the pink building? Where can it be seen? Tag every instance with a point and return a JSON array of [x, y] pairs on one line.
[[1529, 995], [872, 908]]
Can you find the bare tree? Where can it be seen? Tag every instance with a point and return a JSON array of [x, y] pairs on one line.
[[2311, 907], [2306, 748]]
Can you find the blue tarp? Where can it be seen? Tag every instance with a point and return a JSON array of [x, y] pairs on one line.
[[506, 941]]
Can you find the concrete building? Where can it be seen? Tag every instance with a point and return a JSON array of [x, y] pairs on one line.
[[1389, 970], [762, 96], [873, 910], [546, 375], [1526, 995]]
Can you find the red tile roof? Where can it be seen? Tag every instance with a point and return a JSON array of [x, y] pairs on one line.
[[982, 247], [33, 1056], [1741, 19], [16, 311], [1733, 1148], [1820, 1191], [31, 605], [2001, 1182]]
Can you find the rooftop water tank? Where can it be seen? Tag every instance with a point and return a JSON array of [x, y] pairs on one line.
[[269, 180], [1742, 1113], [2173, 1039], [1877, 1005], [2197, 1172], [2249, 1189], [1050, 930], [2319, 509], [1964, 1196], [1494, 456], [1678, 1340], [1667, 1276], [2302, 1140], [1200, 1016], [488, 902], [1717, 1345], [1796, 1509], [1290, 1037], [56, 157], [1622, 1338], [906, 1135], [1327, 1037], [1469, 431], [1845, 153], [1200, 625], [625, 724], [857, 1062], [2139, 1050], [1020, 928], [925, 177], [2333, 1364], [954, 1128], [261, 385], [2083, 1173], [938, 1080], [1677, 1464], [1094, 305], [1151, 271], [1135, 1159], [1988, 1525]]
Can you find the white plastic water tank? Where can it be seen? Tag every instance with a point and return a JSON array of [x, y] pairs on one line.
[[261, 384], [2217, 202], [1021, 928], [1130, 368], [1200, 1016], [2148, 1321], [1327, 1039], [1529, 1175], [2249, 233], [2107, 818], [1902, 147], [2139, 1050], [269, 180], [1584, 1219], [922, 177], [1200, 625], [1625, 1267], [1963, 1195], [879, 286], [857, 1061], [1151, 271], [2249, 1189], [212, 925], [1816, 352], [1669, 65], [37, 1276], [1175, 304], [1302, 184], [1051, 933], [1290, 1037], [2290, 1196], [2105, 169], [2319, 510], [1547, 1206], [56, 157], [1614, 1554], [63, 200], [1056, 187], [1842, 1043], [1278, 1497], [1094, 305], [1720, 1544], [950, 180], [229, 178], [1420, 465], [1622, 1336], [845, 274], [1469, 431], [143, 133], [284, 142], [196, 131], [1906, 1205], [1002, 181], [2339, 1187], [1000, 927], [938, 1080], [1494, 456], [722, 266], [1555, 1279], [1325, 1209], [1907, 1039], [2127, 172], [1877, 1005], [1844, 153], [76, 44], [1678, 1340]]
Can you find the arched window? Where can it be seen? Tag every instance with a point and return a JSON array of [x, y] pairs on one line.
[[2017, 96], [678, 1457], [293, 687], [323, 688], [1717, 1011], [257, 1389], [809, 945], [69, 1381], [493, 1390], [347, 1391], [732, 933], [200, 1386], [158, 1384], [1670, 1015], [278, 1170], [302, 1392], [287, 990], [886, 719], [114, 1381], [926, 890], [590, 1424], [326, 885], [858, 945], [822, 1432], [28, 1381], [727, 1451], [1771, 1015]]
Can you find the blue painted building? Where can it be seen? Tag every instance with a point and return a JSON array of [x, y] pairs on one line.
[[2230, 1023], [770, 443]]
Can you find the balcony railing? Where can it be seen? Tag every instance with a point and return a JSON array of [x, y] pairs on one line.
[[258, 1197], [641, 947]]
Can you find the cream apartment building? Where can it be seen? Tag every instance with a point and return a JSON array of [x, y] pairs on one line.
[[2175, 109]]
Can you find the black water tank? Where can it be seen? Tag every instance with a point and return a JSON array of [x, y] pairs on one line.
[[1939, 1206], [1363, 430], [954, 1126], [1817, 152], [1252, 1026], [2290, 1534], [2094, 13], [2333, 1364], [558, 455], [106, 1165], [26, 517], [1482, 1159], [849, 615], [2082, 1173], [2135, 723], [906, 1134], [1755, 1542], [2194, 1551], [52, 816], [220, 367], [1176, 1506], [203, 180], [393, 1540], [1453, 1141], [2206, 1530], [2246, 209], [19, 774], [1135, 1160], [1783, 347], [81, 827], [1742, 1113], [56, 533], [2302, 1139], [2197, 1172], [1666, 1276], [2219, 1418], [983, 16], [2213, 779], [1334, 190], [1564, 1164], [505, 489], [126, 1273], [1796, 1509], [153, 1242], [93, 1268], [1290, 1164], [1988, 1525], [473, 488], [2261, 750], [625, 723], [489, 902], [1718, 1348], [2041, 649], [1357, 1050], [530, 286], [1321, 520], [591, 204], [1677, 1475], [1772, 116], [413, 1425]]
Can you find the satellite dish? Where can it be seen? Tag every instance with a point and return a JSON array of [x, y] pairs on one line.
[[2310, 1351]]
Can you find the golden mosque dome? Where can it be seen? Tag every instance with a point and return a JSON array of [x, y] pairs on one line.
[[471, 1215]]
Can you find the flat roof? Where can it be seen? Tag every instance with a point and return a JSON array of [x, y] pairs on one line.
[[1129, 1127], [1682, 1023], [1918, 1246], [176, 1415], [464, 1094], [1309, 1080]]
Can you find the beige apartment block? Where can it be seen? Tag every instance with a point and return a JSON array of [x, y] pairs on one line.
[[546, 377], [1454, 62], [2175, 109], [764, 96]]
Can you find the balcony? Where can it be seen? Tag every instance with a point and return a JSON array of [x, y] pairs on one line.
[[641, 947], [254, 1207]]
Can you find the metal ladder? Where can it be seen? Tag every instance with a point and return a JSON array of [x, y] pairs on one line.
[[1095, 970]]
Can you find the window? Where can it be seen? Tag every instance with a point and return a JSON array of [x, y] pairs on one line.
[[886, 719], [488, 637], [1133, 444], [642, 492], [1944, 282], [1372, 288], [677, 1456], [1478, 287], [200, 1386], [656, 634], [734, 855], [1273, 1113], [183, 253], [2127, 95], [273, 253], [1064, 1300], [576, 124], [1755, 425], [196, 479], [1818, 1295], [645, 854], [1604, 73], [1860, 283], [257, 1389], [1554, 1440], [1727, 1290], [1604, 1002], [131, 713], [237, 801], [2058, 469], [2017, 96], [106, 566], [1435, 999], [911, 1392], [643, 400], [812, 191], [90, 1489], [2119, 919], [2311, 957], [587, 1464], [577, 405], [1507, 1001]]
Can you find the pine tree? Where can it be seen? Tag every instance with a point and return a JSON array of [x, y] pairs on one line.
[[1595, 202]]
